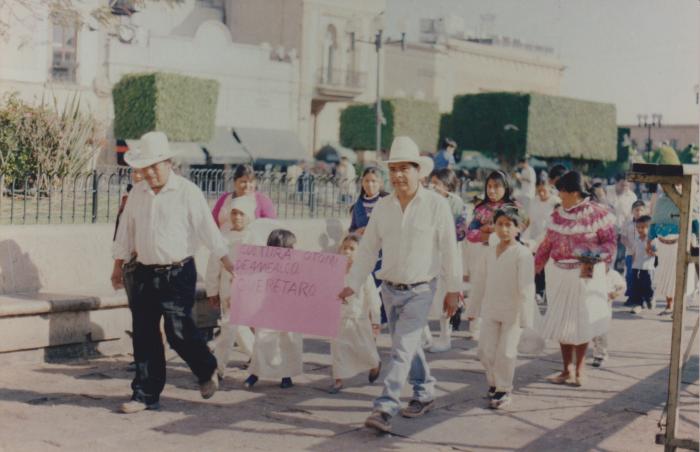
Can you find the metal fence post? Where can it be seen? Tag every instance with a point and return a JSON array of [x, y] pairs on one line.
[[94, 196]]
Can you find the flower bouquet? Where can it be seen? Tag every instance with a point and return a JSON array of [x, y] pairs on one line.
[[588, 258]]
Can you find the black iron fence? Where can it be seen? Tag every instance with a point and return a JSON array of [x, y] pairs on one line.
[[95, 197]]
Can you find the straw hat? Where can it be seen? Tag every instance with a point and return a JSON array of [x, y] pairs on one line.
[[152, 148], [404, 149]]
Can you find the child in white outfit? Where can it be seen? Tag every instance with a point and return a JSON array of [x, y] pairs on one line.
[[355, 349], [277, 354], [616, 289], [508, 304], [218, 282]]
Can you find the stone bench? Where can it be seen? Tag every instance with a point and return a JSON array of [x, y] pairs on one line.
[[56, 299]]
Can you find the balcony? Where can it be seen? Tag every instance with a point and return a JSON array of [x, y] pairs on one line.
[[337, 84]]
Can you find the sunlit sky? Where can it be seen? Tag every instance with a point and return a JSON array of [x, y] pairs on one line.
[[641, 55]]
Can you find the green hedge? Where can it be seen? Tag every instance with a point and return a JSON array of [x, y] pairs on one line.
[[446, 128], [547, 126], [357, 126], [182, 107], [418, 119]]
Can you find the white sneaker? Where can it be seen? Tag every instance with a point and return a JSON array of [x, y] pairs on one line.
[[499, 400], [440, 346], [636, 310]]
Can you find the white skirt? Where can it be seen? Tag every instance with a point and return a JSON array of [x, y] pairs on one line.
[[665, 273], [354, 350], [577, 309], [276, 354]]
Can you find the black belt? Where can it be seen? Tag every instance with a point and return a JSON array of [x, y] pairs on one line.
[[167, 267], [396, 286]]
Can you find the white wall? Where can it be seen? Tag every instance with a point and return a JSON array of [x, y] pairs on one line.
[[255, 91]]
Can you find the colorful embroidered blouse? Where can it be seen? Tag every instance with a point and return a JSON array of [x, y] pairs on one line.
[[483, 214], [586, 226]]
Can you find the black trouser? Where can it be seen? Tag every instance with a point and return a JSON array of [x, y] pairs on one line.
[[167, 293], [540, 284], [642, 292]]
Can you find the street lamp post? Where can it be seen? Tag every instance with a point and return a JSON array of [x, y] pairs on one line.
[[655, 122], [378, 42]]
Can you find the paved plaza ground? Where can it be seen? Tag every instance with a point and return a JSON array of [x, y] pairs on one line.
[[71, 406]]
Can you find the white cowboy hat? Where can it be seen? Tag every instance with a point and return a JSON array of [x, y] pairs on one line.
[[404, 149], [152, 148]]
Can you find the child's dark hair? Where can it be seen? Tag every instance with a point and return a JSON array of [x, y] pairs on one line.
[[447, 177], [500, 176], [243, 171], [351, 238], [643, 219], [556, 171], [282, 238], [638, 203], [514, 214], [572, 182]]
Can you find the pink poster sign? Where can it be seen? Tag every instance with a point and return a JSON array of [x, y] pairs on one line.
[[287, 290]]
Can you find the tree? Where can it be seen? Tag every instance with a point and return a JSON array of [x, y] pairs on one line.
[[47, 141]]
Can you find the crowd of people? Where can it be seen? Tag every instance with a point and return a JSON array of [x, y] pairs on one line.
[[556, 244]]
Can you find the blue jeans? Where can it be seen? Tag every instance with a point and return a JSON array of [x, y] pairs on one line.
[[407, 312]]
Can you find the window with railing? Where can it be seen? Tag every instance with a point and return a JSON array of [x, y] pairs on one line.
[[64, 58]]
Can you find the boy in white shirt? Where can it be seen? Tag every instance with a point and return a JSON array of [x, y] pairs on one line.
[[507, 305], [218, 281]]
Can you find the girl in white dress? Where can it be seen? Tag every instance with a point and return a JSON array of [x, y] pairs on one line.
[[355, 349], [507, 298], [236, 231], [277, 354]]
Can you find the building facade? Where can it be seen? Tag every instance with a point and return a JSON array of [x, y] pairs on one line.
[[47, 56], [447, 60], [332, 71], [678, 136]]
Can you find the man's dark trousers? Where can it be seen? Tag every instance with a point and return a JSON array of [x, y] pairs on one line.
[[167, 293]]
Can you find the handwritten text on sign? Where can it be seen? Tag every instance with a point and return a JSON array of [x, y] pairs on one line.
[[287, 290]]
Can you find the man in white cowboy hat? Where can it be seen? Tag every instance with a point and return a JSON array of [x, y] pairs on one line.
[[415, 231], [165, 218]]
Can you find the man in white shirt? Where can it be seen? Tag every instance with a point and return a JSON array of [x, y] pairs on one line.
[[620, 197], [528, 178], [165, 218], [415, 230]]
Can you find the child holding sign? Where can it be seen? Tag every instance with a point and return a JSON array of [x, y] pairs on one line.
[[218, 282], [354, 350], [276, 354]]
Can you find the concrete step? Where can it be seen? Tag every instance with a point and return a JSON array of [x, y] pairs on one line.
[[50, 327]]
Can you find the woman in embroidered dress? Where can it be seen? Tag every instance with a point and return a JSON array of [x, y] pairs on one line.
[[577, 308]]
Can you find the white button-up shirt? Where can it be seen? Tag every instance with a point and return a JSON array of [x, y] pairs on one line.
[[417, 244], [621, 204], [166, 227]]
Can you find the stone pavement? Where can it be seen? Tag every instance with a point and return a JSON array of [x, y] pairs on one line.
[[71, 406]]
